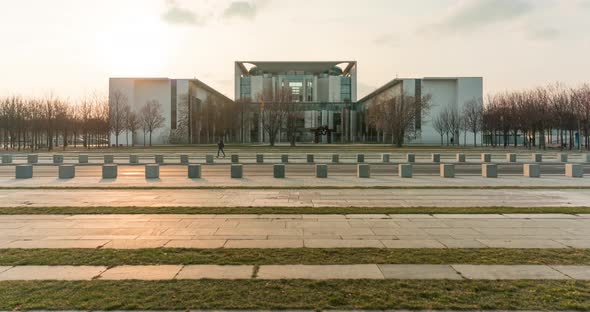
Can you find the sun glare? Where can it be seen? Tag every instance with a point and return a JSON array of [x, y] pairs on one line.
[[141, 48]]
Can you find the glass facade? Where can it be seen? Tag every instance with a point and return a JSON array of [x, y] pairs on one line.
[[345, 89], [173, 96], [245, 88]]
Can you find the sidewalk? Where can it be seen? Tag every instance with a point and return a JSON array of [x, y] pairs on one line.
[[288, 272], [296, 231]]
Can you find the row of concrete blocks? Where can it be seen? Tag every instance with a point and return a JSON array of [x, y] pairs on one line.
[[360, 158], [152, 171]]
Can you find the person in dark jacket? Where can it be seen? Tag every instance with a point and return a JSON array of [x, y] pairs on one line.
[[220, 147]]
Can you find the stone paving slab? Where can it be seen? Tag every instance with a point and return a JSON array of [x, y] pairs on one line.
[[419, 271], [216, 272], [578, 272], [60, 272], [320, 272], [294, 231], [141, 272], [314, 272], [508, 272]]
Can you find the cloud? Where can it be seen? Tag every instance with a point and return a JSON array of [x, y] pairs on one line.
[[180, 16], [243, 9], [546, 33], [471, 15], [387, 40]]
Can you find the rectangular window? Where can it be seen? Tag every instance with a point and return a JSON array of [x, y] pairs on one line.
[[418, 96], [245, 88], [345, 88], [173, 104], [296, 90]]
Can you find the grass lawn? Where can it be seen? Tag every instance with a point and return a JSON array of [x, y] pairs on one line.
[[287, 210], [295, 294], [113, 257]]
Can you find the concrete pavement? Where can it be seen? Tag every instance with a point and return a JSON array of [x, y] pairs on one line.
[[295, 231], [294, 198], [288, 272]]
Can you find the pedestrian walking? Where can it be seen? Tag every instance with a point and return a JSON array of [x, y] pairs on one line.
[[220, 146]]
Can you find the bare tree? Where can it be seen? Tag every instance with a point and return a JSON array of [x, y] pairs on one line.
[[132, 124], [439, 123], [117, 108], [152, 117], [472, 116], [398, 115]]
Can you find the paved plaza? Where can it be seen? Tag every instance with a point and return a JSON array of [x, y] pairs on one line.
[[294, 197], [296, 231]]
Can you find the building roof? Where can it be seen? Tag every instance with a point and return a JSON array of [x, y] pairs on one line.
[[279, 67]]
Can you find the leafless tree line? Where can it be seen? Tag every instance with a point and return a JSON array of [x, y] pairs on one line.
[[124, 119], [46, 122], [450, 122], [398, 117], [556, 115]]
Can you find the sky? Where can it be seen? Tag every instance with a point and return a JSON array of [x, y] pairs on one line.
[[70, 48]]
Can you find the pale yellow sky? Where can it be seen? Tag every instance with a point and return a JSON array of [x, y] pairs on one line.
[[72, 47]]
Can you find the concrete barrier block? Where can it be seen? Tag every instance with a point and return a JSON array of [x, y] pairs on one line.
[[335, 158], [486, 158], [108, 159], [321, 171], [194, 171], [385, 157], [537, 157], [259, 158], [184, 159], [460, 157], [510, 157], [159, 159], [360, 158], [23, 171], [109, 171], [489, 170], [447, 170], [563, 157], [310, 159], [32, 158], [532, 170], [363, 171], [58, 159], [6, 159], [82, 159], [285, 158], [574, 170], [405, 170], [133, 159], [235, 158], [588, 157], [152, 171], [209, 158], [67, 171], [411, 158], [237, 171], [278, 171], [435, 157]]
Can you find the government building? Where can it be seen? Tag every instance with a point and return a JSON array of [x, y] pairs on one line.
[[315, 102]]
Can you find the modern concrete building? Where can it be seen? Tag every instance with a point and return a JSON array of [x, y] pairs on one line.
[[184, 104], [444, 92], [324, 95]]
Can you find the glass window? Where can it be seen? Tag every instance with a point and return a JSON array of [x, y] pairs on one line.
[[345, 89]]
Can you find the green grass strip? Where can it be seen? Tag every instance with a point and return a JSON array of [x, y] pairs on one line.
[[295, 294], [288, 210], [113, 257]]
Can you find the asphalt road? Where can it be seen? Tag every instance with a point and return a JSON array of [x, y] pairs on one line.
[[94, 170]]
